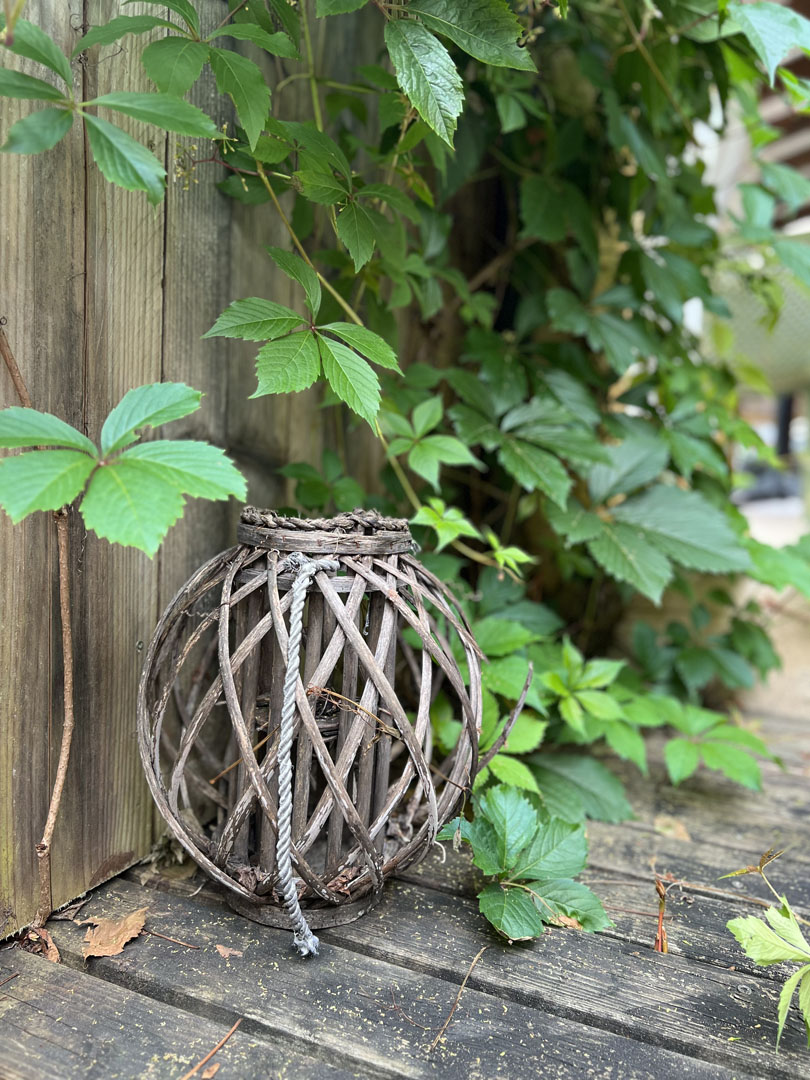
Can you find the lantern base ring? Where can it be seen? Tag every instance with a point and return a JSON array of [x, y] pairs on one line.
[[317, 918]]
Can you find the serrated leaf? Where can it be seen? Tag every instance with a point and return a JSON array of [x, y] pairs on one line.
[[42, 480], [427, 415], [243, 82], [395, 198], [254, 319], [513, 818], [786, 996], [509, 770], [734, 763], [278, 44], [762, 944], [295, 267], [356, 230], [146, 406], [351, 377], [195, 468], [574, 522], [14, 84], [480, 835], [629, 556], [427, 75], [321, 187], [535, 469], [588, 782], [28, 427], [682, 758], [486, 29], [167, 111], [129, 502], [38, 131], [600, 704], [632, 463], [772, 30], [507, 677], [500, 636], [184, 8], [174, 64], [627, 743], [570, 898], [599, 673], [35, 44], [526, 735], [686, 527], [288, 365], [366, 342], [559, 850], [119, 27], [511, 911], [123, 160]]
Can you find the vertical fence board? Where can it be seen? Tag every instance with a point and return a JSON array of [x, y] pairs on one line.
[[102, 293], [103, 826], [42, 298]]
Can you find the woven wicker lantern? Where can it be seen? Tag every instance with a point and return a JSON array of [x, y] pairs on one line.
[[219, 674]]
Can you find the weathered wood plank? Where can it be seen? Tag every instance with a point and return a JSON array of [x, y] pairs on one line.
[[196, 289], [57, 1023], [380, 1016], [104, 823], [42, 297]]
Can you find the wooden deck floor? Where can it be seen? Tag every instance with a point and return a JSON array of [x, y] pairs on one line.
[[568, 1005]]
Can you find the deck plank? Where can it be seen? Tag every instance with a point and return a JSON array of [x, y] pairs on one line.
[[580, 989], [56, 1024]]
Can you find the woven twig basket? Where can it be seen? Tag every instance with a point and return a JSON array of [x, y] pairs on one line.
[[367, 800]]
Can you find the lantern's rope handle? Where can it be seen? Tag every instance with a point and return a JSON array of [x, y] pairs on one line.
[[304, 569]]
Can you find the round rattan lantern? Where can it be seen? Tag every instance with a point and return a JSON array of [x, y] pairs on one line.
[[335, 625]]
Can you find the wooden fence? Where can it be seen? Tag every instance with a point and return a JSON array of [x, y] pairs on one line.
[[101, 293]]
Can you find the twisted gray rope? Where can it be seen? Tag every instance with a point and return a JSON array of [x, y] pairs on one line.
[[305, 569]]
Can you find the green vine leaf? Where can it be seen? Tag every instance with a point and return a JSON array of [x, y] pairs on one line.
[[511, 911], [356, 230], [194, 468], [427, 75], [366, 342], [146, 406], [118, 28], [184, 8], [28, 427], [288, 365], [123, 160], [244, 83], [37, 132], [351, 378], [130, 503], [254, 319], [174, 64], [278, 44], [14, 84], [295, 267], [165, 110], [486, 29], [42, 480], [33, 43]]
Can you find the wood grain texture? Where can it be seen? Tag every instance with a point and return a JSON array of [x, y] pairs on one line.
[[108, 293], [373, 1017], [42, 239], [57, 1023]]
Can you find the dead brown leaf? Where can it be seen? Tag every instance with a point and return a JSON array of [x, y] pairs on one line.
[[212, 1070], [226, 953], [107, 937], [69, 913], [568, 921], [41, 943], [671, 826]]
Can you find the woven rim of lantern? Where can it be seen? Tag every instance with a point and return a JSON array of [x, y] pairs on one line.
[[373, 554]]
